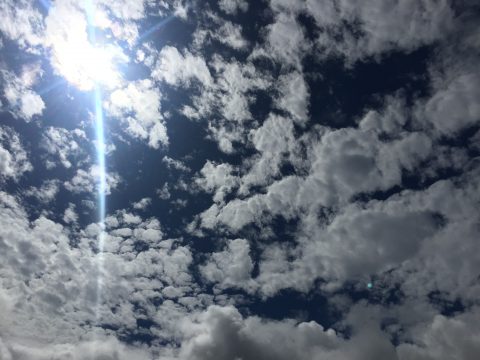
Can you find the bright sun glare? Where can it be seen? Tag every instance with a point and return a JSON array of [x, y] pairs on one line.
[[82, 62]]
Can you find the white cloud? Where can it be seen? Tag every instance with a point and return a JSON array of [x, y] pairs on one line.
[[106, 348], [285, 42], [14, 160], [175, 164], [50, 287], [349, 214], [126, 9], [218, 179], [232, 7], [221, 30], [444, 338], [231, 267], [359, 30], [46, 192], [87, 181], [294, 96], [164, 192], [343, 163], [404, 26], [70, 216], [22, 23], [142, 204], [138, 107], [275, 141], [454, 106], [64, 144], [24, 102], [177, 69]]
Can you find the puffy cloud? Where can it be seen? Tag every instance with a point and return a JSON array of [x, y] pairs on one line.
[[224, 332], [64, 144], [223, 31], [46, 192], [275, 141], [56, 292], [391, 199], [142, 204], [444, 338], [175, 164], [14, 160], [138, 106], [24, 102], [454, 106], [382, 26], [294, 96], [218, 179], [106, 348], [344, 163], [70, 216], [22, 23], [285, 42], [87, 181], [360, 242], [176, 69], [231, 34], [234, 82], [357, 30], [233, 6], [126, 9], [231, 267], [164, 193]]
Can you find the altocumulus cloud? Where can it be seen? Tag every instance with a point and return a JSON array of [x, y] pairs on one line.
[[283, 180]]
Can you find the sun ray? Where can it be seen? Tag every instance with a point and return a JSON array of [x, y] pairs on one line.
[[100, 147]]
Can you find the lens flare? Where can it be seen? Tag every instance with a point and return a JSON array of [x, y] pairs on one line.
[[100, 145]]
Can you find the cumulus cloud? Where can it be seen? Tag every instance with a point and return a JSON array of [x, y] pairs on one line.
[[138, 107], [14, 161], [64, 145], [379, 27], [231, 267], [53, 291], [46, 192], [24, 102], [175, 68], [233, 6], [87, 181], [454, 106], [294, 96], [285, 42], [174, 164], [344, 163], [22, 22], [296, 202], [142, 204], [220, 30], [218, 179], [107, 348]]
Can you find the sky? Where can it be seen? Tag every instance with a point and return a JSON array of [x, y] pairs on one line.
[[239, 180]]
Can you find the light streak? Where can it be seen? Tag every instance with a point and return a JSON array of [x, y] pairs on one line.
[[154, 28], [100, 147]]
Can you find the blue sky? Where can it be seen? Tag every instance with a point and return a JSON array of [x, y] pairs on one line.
[[283, 179]]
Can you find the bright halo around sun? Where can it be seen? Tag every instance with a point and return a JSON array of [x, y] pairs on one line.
[[73, 56], [84, 65]]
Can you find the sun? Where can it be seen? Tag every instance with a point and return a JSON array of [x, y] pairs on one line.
[[85, 65], [81, 61]]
